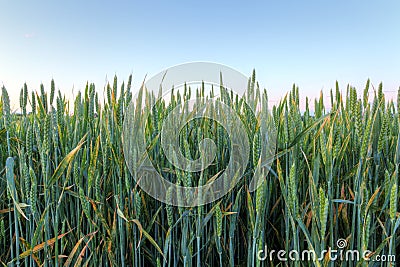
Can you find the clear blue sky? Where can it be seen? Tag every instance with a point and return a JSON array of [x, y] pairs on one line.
[[310, 43]]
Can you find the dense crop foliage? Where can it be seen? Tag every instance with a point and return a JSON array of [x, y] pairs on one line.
[[68, 198]]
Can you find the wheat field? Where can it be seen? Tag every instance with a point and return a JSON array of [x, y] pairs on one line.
[[67, 197]]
